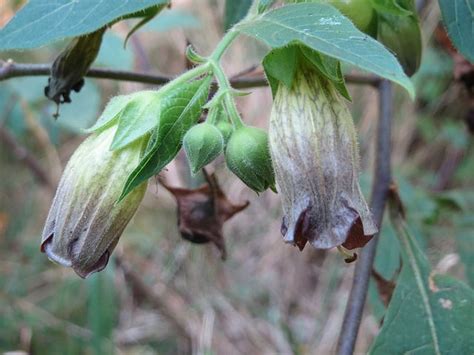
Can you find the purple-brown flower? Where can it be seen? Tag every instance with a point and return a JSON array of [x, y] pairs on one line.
[[85, 220], [315, 155]]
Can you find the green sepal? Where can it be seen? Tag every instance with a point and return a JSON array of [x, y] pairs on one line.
[[111, 113], [138, 118], [281, 64], [180, 109]]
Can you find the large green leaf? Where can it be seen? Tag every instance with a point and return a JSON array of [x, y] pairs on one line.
[[323, 28], [179, 111], [41, 22], [235, 11], [429, 313], [458, 17]]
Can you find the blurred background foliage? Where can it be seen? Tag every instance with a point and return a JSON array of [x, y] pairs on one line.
[[162, 291]]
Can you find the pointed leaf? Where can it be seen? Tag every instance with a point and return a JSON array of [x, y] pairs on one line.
[[41, 22], [138, 117], [323, 28], [179, 111], [428, 313], [458, 17]]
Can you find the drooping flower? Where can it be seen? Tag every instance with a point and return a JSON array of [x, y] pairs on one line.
[[315, 155], [85, 220]]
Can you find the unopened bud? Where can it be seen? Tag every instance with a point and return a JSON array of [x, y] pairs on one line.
[[202, 144], [248, 157]]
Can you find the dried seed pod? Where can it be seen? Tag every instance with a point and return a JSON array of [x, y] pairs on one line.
[[202, 213], [315, 156], [85, 221]]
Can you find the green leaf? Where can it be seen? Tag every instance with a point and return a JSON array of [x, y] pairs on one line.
[[235, 11], [138, 118], [111, 112], [150, 15], [458, 17], [41, 22], [180, 110], [330, 68], [428, 313], [390, 7], [323, 28], [280, 65]]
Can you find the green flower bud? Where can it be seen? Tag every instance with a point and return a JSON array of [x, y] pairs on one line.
[[402, 34], [202, 144], [314, 151], [248, 157], [225, 128], [85, 221]]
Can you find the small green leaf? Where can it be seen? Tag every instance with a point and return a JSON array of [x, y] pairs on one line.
[[138, 117], [111, 112], [428, 313], [235, 11], [458, 17], [202, 143], [180, 110], [149, 15], [390, 7], [324, 29], [41, 22], [330, 68], [280, 65]]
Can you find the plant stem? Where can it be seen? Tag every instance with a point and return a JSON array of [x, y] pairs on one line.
[[224, 86], [223, 45], [186, 76], [380, 190], [11, 70]]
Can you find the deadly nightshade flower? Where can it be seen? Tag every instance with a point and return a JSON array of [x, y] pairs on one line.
[[85, 220], [315, 155]]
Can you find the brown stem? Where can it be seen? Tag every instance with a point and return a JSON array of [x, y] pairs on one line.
[[380, 189], [11, 69]]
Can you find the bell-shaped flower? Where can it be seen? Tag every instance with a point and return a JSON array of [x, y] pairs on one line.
[[85, 220], [315, 155]]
